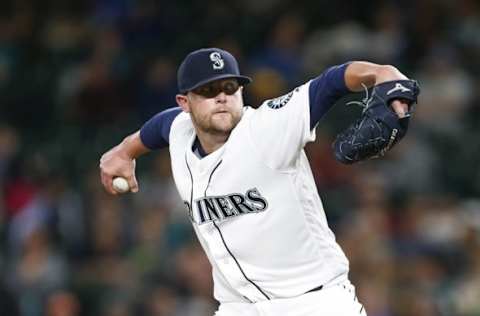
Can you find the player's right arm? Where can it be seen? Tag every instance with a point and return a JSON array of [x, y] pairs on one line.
[[120, 160]]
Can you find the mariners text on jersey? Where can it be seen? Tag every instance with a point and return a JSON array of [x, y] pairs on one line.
[[218, 208]]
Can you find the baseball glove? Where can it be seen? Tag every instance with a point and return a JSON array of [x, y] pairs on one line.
[[379, 128]]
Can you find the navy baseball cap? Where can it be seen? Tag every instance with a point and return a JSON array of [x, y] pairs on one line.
[[205, 65]]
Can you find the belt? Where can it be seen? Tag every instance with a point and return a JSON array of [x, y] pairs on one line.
[[318, 288]]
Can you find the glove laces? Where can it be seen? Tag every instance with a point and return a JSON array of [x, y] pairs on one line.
[[364, 102]]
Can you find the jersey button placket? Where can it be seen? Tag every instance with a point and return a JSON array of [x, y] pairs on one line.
[[222, 256]]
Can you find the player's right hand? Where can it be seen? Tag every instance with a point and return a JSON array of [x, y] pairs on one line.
[[116, 163]]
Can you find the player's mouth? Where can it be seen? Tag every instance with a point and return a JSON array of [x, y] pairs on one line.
[[221, 115], [221, 112]]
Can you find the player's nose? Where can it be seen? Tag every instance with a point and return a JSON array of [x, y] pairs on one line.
[[221, 97]]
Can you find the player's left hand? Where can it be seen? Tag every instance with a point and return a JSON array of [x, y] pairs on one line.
[[383, 123]]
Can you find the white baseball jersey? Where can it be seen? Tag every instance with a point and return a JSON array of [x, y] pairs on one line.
[[254, 205]]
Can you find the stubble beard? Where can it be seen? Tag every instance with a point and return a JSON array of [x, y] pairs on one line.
[[211, 125]]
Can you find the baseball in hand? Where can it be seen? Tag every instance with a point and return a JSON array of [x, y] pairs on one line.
[[120, 185]]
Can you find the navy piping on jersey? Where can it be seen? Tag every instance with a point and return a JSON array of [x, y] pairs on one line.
[[191, 180], [225, 244], [197, 148], [218, 229], [210, 177]]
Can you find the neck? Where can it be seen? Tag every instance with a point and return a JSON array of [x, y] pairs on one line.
[[211, 142]]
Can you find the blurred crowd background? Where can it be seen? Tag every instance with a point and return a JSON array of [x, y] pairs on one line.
[[77, 76]]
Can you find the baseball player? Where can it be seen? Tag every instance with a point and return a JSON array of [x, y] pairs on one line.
[[247, 185]]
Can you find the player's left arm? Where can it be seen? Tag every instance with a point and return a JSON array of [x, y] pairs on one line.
[[281, 127], [386, 112], [340, 80]]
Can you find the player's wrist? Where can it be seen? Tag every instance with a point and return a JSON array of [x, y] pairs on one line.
[[131, 147]]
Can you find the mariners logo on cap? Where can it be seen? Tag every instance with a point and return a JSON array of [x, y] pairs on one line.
[[217, 60]]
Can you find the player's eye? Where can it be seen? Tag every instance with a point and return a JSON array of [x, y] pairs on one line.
[[211, 90], [208, 90], [230, 87]]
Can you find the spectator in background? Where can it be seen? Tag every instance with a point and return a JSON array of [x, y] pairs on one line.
[[157, 91], [194, 276], [282, 50], [268, 84], [162, 300], [101, 99], [62, 303], [449, 90], [38, 271]]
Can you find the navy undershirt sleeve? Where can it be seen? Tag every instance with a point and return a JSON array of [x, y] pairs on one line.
[[325, 90], [155, 132]]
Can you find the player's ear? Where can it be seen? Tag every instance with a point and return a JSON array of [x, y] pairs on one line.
[[182, 102]]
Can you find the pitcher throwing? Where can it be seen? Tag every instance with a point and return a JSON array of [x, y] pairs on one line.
[[247, 185]]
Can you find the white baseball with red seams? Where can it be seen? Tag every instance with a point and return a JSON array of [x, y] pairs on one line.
[[120, 185]]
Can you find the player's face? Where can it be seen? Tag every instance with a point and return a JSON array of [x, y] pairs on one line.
[[216, 107]]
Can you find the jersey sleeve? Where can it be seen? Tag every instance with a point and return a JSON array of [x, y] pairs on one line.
[[281, 127], [155, 132], [325, 90]]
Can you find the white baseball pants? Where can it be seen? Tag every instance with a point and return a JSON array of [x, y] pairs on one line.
[[335, 300]]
